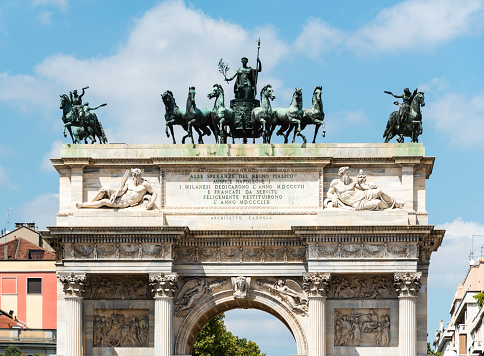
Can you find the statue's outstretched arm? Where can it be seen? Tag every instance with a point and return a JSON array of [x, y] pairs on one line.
[[232, 77]]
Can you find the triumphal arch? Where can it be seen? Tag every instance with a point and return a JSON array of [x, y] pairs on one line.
[[155, 240]]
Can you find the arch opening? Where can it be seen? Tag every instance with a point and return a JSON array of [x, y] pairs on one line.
[[211, 307]]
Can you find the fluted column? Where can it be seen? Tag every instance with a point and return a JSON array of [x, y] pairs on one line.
[[164, 287], [407, 286], [316, 286], [73, 289]]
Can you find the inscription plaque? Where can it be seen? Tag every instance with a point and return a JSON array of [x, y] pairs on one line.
[[242, 189]]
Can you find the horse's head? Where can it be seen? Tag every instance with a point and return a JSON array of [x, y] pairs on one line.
[[191, 93], [216, 91], [167, 97], [317, 92], [65, 102], [268, 92], [420, 98]]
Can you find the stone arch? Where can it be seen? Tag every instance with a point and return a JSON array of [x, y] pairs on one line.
[[224, 301]]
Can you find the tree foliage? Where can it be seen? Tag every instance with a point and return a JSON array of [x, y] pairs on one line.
[[432, 352], [215, 339], [480, 299], [12, 351]]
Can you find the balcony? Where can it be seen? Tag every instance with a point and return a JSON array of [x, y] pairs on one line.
[[476, 348]]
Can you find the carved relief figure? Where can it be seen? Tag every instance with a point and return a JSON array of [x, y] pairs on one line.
[[102, 287], [240, 287], [357, 327], [359, 287], [192, 292], [289, 291], [356, 194], [131, 192], [120, 328]]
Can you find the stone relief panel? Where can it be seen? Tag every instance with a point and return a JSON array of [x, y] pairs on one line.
[[240, 254], [362, 327], [356, 194], [97, 251], [363, 250], [127, 190], [288, 291], [362, 287], [121, 328], [114, 287], [193, 291]]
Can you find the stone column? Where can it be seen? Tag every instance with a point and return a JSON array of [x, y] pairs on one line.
[[164, 286], [73, 289], [316, 286], [407, 286]]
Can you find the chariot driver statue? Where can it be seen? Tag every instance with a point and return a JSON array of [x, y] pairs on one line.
[[76, 101], [246, 83], [404, 108]]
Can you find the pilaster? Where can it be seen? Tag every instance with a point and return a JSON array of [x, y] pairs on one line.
[[407, 286], [73, 290], [164, 287], [316, 286]]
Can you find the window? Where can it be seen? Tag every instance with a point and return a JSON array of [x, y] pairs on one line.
[[36, 255], [9, 285], [34, 285]]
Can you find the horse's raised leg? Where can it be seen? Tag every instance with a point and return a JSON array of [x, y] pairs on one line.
[[316, 129]]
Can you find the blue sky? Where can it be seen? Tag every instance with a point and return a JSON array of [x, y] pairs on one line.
[[130, 52]]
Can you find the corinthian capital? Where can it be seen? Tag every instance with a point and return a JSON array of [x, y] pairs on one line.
[[407, 284], [164, 285], [316, 284], [73, 284]]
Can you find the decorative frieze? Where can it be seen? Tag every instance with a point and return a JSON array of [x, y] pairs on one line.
[[317, 284], [362, 327], [74, 284], [407, 284], [118, 287], [287, 290], [362, 250], [121, 328], [193, 291], [362, 287], [164, 285], [97, 251], [240, 254]]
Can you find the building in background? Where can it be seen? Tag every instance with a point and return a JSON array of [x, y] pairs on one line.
[[28, 292], [464, 333]]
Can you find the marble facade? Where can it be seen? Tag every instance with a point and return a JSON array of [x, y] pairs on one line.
[[244, 226]]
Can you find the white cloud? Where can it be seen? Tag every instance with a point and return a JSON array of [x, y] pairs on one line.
[[409, 25], [260, 327], [450, 263], [5, 182], [42, 210], [46, 164], [460, 118], [170, 47], [338, 121], [45, 18]]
